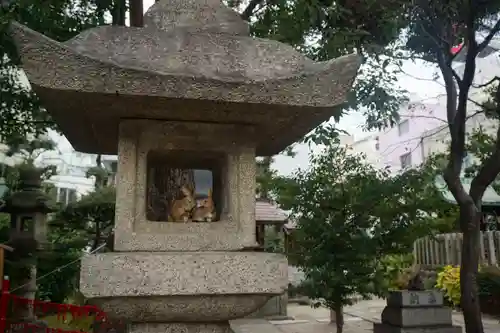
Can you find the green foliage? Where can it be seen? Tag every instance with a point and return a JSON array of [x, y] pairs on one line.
[[92, 216], [435, 27], [74, 228], [480, 146], [351, 215], [273, 240], [448, 281], [21, 114], [29, 151], [396, 270], [60, 267], [327, 29], [488, 280]]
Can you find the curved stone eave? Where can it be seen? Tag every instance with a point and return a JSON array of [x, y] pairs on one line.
[[53, 65]]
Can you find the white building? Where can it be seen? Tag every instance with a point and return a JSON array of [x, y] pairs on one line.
[[71, 182], [423, 128], [368, 146]]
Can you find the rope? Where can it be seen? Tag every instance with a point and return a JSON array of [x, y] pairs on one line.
[[58, 269]]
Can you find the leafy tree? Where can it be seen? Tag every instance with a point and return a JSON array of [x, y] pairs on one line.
[[350, 215], [81, 226], [21, 114], [29, 151], [93, 216], [434, 29], [59, 269]]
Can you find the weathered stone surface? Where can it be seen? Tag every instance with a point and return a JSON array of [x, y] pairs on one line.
[[182, 287], [253, 326], [136, 274], [235, 230], [384, 328], [406, 298], [179, 328], [414, 317], [198, 308], [193, 60]]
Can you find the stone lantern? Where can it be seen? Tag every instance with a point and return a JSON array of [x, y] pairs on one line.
[[187, 102], [28, 208]]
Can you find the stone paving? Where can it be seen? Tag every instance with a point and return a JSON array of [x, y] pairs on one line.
[[359, 318]]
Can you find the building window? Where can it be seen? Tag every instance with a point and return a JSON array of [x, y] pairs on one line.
[[405, 160], [66, 195], [403, 127], [77, 171]]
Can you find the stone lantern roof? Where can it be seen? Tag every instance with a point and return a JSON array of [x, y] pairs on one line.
[[193, 60], [30, 198]]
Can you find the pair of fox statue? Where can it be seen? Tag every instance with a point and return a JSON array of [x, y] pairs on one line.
[[186, 208]]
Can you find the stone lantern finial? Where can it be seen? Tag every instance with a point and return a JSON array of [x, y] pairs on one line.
[[195, 15]]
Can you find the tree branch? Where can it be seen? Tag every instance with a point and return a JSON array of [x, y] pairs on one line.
[[457, 118], [489, 37], [490, 168], [496, 78], [487, 173], [451, 90]]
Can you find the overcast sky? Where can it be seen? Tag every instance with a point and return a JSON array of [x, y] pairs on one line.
[[417, 79]]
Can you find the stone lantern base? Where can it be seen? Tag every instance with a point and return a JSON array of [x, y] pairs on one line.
[[189, 292]]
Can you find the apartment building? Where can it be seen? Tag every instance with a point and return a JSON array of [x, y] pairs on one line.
[[423, 130], [369, 146]]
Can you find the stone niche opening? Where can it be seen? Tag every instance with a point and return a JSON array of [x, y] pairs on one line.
[[184, 186]]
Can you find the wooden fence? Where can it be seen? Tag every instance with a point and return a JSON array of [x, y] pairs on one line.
[[446, 249]]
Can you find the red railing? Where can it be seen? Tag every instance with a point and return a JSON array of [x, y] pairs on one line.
[[7, 299]]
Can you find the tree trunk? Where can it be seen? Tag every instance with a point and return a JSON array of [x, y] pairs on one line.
[[339, 318], [470, 218], [119, 12], [164, 185], [136, 13]]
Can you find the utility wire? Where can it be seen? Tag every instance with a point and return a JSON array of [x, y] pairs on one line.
[[58, 269]]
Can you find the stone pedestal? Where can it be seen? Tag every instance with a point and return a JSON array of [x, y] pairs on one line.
[[416, 312]]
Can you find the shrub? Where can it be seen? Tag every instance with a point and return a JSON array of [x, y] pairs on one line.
[[488, 281], [448, 280], [395, 271]]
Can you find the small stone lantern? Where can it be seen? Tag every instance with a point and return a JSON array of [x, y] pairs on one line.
[[28, 207]]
